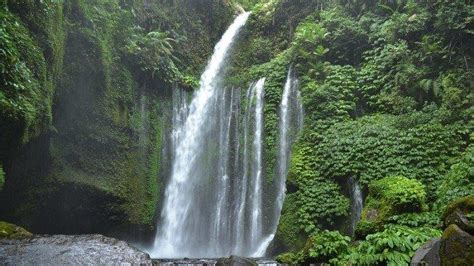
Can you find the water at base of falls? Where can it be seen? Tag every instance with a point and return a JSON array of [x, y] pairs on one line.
[[232, 260]]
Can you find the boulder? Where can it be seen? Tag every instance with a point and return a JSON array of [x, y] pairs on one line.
[[11, 231], [428, 253], [236, 260], [457, 247], [70, 250], [458, 218]]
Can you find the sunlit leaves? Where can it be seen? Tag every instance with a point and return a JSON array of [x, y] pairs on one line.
[[393, 246], [154, 54]]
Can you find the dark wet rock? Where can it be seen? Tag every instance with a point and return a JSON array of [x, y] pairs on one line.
[[458, 218], [70, 249], [236, 260], [231, 261], [428, 253], [457, 247], [185, 261]]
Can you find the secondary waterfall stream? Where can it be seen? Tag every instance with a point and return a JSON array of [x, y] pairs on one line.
[[214, 201], [357, 202]]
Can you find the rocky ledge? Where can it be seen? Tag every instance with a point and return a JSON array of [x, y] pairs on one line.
[[69, 249]]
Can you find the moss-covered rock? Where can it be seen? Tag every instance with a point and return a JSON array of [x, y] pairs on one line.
[[460, 212], [388, 197], [457, 247], [289, 235], [11, 231]]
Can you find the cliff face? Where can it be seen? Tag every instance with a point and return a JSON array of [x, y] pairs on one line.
[[87, 153]]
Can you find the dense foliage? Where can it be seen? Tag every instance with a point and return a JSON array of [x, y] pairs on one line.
[[387, 88], [388, 98], [85, 101]]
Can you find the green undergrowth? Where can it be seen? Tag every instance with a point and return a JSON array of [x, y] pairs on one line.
[[385, 94], [90, 82]]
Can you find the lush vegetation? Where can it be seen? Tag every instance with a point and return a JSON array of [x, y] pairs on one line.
[[84, 106], [388, 98], [387, 88]]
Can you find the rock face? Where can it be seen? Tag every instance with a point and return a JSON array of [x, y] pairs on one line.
[[67, 250]]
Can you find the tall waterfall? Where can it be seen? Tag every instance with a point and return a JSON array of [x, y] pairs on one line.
[[357, 202], [291, 121], [194, 220], [214, 201], [291, 117]]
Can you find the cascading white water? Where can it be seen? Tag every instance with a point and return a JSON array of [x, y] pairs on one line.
[[256, 184], [213, 204], [291, 121], [186, 228], [239, 227], [357, 202]]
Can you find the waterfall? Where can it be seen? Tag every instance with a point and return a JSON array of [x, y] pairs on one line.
[[357, 202], [213, 202], [256, 193], [194, 222], [291, 121], [290, 107], [239, 230]]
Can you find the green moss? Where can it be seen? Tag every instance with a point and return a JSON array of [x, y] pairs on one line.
[[465, 205], [365, 227], [398, 194], [457, 247], [389, 197], [289, 233], [459, 181], [11, 231], [25, 100]]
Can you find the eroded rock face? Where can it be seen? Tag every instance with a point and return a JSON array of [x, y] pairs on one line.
[[70, 249]]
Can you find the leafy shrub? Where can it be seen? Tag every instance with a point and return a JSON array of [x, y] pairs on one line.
[[388, 197], [335, 98], [459, 181], [25, 100], [320, 247], [365, 227], [393, 246], [424, 219], [289, 258], [399, 194], [320, 204], [153, 53], [324, 245]]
